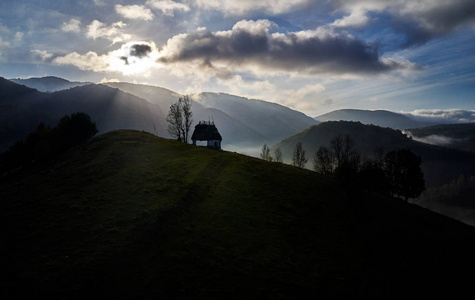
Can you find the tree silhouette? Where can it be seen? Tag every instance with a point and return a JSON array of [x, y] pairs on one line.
[[45, 142], [323, 160], [344, 153], [278, 155], [76, 128], [403, 170], [187, 116], [265, 153], [299, 159], [175, 121], [179, 119]]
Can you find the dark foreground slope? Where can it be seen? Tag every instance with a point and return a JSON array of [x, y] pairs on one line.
[[130, 215]]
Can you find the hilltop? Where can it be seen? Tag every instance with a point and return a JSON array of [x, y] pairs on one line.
[[131, 215]]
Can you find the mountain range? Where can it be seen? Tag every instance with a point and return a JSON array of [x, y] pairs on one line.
[[242, 122], [23, 108], [48, 83], [382, 118]]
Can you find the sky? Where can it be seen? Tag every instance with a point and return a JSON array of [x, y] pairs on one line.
[[312, 56]]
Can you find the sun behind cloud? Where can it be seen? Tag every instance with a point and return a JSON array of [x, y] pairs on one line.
[[130, 59], [133, 58]]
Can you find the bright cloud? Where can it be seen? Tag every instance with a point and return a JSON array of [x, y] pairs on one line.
[[72, 26], [134, 12], [90, 61], [131, 58], [42, 54], [357, 18], [167, 7], [107, 80], [112, 33], [443, 115]]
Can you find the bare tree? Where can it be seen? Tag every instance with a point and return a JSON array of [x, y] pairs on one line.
[[343, 149], [175, 121], [179, 119], [278, 155], [187, 116], [265, 153], [336, 145], [299, 159], [323, 160]]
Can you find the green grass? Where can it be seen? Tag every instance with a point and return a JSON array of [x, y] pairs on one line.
[[131, 215]]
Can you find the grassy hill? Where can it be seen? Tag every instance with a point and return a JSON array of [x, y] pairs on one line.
[[131, 215]]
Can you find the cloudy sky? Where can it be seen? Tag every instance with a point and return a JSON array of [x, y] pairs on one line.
[[313, 56]]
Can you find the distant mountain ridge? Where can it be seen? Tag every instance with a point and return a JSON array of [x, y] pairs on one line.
[[240, 120], [231, 129], [382, 118], [23, 108], [271, 120], [48, 83], [243, 123]]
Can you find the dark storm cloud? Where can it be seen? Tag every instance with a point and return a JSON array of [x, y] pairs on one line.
[[446, 17], [421, 26], [250, 44], [140, 50], [419, 21]]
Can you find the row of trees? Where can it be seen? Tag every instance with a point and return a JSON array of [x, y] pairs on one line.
[[299, 158], [397, 172], [179, 119], [46, 142], [265, 154]]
